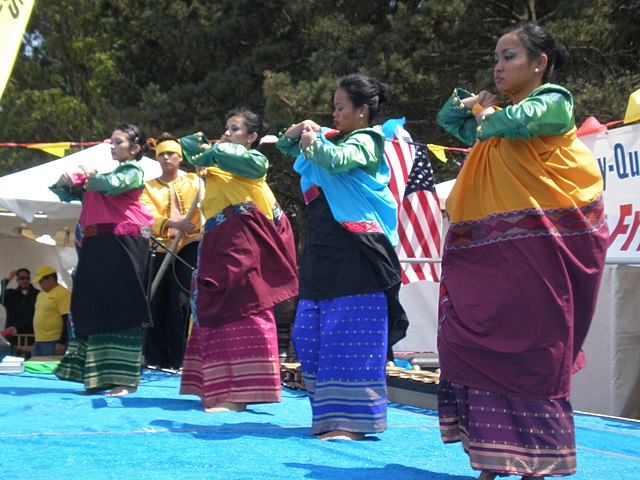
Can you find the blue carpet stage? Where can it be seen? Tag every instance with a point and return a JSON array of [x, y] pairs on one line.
[[48, 431]]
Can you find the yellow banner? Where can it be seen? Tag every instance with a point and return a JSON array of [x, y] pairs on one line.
[[438, 151], [14, 15], [56, 149]]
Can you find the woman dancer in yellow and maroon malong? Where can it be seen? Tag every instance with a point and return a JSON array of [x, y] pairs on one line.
[[521, 266], [246, 265]]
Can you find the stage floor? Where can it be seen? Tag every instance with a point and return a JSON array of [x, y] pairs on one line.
[[49, 431]]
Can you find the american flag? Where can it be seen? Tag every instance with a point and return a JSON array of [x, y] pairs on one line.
[[419, 214]]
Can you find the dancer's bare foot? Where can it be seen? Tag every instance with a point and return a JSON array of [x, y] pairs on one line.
[[341, 435], [487, 476], [227, 407], [91, 391], [120, 391]]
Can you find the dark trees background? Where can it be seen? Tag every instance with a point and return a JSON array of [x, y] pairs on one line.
[[179, 66]]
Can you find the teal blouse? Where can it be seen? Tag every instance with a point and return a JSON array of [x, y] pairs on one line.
[[359, 149]]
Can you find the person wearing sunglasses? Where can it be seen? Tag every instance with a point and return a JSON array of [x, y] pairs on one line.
[[19, 303]]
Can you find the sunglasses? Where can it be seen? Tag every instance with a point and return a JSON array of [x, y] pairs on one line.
[[24, 278]]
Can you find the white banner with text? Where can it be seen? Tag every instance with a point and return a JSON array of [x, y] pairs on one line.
[[616, 152]]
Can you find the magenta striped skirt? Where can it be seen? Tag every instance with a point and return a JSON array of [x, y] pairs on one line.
[[234, 362], [508, 435]]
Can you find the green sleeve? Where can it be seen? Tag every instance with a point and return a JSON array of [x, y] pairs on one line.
[[230, 157], [359, 150], [127, 176], [457, 119], [289, 147], [236, 159], [542, 114], [68, 194], [197, 150]]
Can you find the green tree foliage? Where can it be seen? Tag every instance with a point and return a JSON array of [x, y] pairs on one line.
[[180, 65]]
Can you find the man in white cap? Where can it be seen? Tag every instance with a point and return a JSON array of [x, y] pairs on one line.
[[50, 317]]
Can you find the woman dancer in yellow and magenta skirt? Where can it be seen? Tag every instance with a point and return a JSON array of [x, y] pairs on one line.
[[246, 265]]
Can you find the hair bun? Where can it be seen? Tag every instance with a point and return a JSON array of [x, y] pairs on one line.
[[562, 55], [383, 93]]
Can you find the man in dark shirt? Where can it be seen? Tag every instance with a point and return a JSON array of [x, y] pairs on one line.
[[19, 303]]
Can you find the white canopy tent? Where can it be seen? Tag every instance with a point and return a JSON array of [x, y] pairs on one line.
[[27, 193], [30, 211]]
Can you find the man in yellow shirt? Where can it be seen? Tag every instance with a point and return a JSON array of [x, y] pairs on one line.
[[51, 312], [170, 198]]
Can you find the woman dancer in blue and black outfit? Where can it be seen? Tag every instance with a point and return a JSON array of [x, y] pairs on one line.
[[349, 271]]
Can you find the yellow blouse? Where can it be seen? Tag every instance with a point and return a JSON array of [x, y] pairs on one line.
[[225, 188]]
